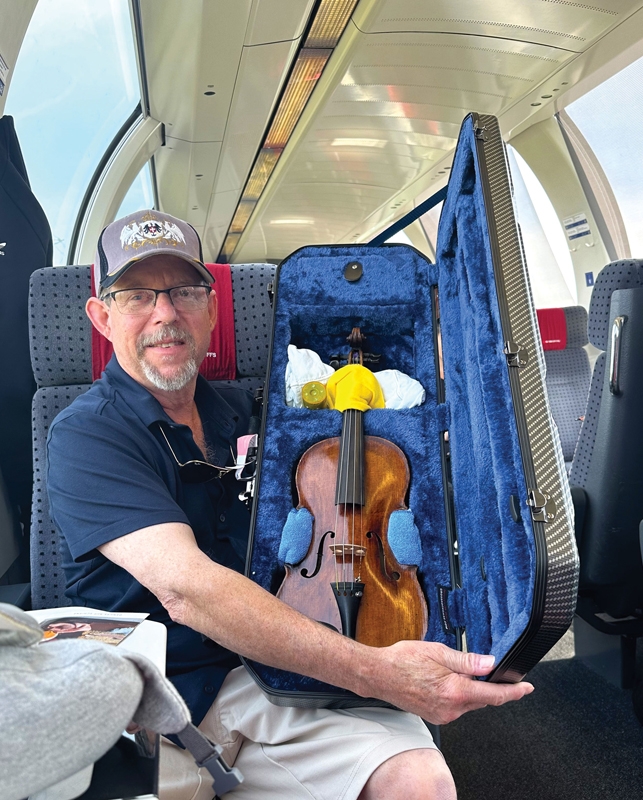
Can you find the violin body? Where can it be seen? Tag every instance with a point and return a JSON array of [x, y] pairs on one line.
[[349, 544]]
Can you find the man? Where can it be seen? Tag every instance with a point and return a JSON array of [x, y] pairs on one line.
[[141, 536]]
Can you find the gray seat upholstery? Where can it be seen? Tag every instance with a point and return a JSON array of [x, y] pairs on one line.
[[60, 340], [568, 380], [608, 462]]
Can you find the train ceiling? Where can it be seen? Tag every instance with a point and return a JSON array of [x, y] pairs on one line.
[[379, 124]]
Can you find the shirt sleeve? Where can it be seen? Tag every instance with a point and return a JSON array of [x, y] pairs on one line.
[[102, 483]]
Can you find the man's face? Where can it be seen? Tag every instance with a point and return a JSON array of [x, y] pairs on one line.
[[162, 349]]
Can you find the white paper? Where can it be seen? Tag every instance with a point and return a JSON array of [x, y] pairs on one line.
[[41, 614]]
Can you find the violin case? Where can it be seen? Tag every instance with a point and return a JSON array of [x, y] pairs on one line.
[[496, 555]]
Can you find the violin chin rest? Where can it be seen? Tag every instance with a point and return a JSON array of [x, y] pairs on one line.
[[296, 536]]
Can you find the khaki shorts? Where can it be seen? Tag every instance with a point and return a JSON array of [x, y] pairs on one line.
[[290, 752]]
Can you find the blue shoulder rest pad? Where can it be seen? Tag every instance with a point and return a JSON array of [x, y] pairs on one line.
[[404, 538], [296, 536]]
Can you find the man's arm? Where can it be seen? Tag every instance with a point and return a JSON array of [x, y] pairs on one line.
[[428, 679]]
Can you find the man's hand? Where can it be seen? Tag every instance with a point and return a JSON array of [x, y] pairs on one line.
[[436, 682]]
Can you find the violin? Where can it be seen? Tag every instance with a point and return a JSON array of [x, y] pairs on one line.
[[349, 578]]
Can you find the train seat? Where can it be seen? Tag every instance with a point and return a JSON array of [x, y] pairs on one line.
[[17, 594], [563, 332], [608, 461], [61, 355]]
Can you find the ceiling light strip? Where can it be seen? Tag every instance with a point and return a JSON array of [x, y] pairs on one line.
[[329, 23], [324, 33], [306, 73], [263, 167]]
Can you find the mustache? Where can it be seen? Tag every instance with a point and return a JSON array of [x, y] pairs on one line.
[[165, 334]]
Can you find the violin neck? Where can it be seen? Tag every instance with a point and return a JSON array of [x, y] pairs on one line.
[[350, 468]]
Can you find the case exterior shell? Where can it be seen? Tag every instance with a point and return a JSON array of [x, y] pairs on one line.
[[530, 563], [555, 602]]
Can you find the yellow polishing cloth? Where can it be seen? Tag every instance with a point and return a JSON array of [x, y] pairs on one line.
[[354, 386]]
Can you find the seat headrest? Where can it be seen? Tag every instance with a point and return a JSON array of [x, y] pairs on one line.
[[60, 333], [562, 328], [627, 274]]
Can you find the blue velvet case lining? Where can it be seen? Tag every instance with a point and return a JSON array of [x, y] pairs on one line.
[[316, 308]]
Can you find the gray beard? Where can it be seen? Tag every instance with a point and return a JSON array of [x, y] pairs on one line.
[[183, 376]]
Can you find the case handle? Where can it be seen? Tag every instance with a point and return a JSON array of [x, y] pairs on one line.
[[615, 356]]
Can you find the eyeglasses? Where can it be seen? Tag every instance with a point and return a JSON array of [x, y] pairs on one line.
[[142, 301], [197, 471]]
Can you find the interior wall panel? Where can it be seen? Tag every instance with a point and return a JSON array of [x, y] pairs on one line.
[[15, 19]]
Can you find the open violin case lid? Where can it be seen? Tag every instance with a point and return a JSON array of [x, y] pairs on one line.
[[493, 536]]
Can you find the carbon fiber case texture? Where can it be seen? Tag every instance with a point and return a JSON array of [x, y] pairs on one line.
[[557, 558]]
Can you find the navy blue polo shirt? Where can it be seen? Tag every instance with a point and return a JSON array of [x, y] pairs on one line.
[[110, 472]]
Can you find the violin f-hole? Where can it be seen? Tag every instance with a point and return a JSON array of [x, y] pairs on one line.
[[320, 555], [394, 576]]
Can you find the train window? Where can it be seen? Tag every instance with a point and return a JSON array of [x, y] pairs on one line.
[[74, 85], [609, 117], [139, 195], [399, 238], [430, 222], [549, 263]]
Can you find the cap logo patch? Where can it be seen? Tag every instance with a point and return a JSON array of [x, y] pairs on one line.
[[151, 231]]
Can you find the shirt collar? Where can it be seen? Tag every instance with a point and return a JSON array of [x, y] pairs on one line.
[[212, 407]]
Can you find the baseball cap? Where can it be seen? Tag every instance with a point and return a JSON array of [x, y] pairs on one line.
[[138, 236]]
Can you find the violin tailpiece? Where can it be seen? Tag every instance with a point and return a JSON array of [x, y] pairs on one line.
[[349, 596]]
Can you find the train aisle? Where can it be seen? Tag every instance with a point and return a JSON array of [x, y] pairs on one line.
[[575, 738]]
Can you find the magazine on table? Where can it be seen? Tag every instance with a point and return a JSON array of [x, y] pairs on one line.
[[78, 622]]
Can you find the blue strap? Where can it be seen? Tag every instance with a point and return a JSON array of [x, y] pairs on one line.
[[407, 219]]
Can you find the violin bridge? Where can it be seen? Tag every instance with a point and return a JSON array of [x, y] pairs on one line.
[[348, 551]]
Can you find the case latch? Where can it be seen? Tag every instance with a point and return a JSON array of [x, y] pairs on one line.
[[543, 508], [517, 355], [480, 132], [270, 288]]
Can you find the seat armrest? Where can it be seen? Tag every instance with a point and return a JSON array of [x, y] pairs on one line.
[[16, 594], [579, 499]]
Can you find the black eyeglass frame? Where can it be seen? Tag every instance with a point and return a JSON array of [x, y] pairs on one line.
[[157, 292], [189, 470]]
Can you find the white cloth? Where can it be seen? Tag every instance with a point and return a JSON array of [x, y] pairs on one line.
[[303, 366], [399, 389]]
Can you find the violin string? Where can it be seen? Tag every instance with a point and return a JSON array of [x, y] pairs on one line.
[[360, 466], [355, 461], [340, 469], [347, 509]]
